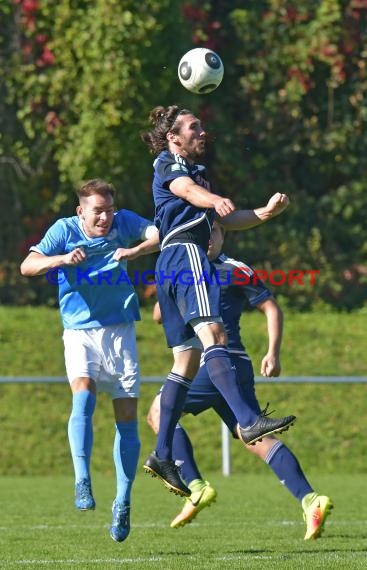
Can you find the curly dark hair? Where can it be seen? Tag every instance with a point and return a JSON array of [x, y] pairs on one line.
[[164, 120]]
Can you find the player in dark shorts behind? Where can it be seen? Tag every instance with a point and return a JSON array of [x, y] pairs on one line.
[[236, 294]]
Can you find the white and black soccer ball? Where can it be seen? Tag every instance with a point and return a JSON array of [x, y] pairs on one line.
[[200, 70]]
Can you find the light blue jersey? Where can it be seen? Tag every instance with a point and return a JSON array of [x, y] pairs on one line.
[[97, 292]]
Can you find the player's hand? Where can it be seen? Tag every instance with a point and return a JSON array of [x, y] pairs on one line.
[[278, 203], [76, 256], [125, 254], [270, 365], [223, 206]]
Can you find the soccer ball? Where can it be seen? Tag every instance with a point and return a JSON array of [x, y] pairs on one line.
[[200, 70]]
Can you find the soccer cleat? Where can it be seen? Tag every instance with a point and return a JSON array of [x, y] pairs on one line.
[[202, 495], [264, 426], [83, 496], [316, 509], [120, 526], [168, 472]]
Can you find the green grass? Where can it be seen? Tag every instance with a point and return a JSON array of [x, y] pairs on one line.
[[329, 435], [255, 523], [314, 344], [34, 416]]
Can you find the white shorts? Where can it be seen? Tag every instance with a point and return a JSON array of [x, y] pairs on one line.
[[108, 355]]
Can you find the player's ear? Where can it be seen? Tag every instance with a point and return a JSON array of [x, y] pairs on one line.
[[79, 211], [172, 137]]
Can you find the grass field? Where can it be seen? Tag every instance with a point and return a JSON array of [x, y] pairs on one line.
[[35, 416], [255, 523]]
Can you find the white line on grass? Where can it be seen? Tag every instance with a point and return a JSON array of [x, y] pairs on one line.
[[91, 560], [335, 556]]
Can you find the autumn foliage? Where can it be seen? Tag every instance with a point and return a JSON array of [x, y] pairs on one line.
[[290, 115]]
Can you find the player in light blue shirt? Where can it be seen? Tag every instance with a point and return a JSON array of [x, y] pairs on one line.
[[84, 288], [86, 255]]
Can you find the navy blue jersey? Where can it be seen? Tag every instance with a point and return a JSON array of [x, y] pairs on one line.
[[174, 217], [237, 291]]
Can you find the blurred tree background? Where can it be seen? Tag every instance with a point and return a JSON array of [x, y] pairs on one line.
[[79, 78]]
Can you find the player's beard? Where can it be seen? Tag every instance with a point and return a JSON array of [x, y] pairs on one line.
[[198, 152]]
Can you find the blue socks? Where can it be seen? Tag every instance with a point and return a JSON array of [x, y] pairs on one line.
[[126, 446], [126, 450], [288, 470], [223, 376], [80, 433], [172, 400], [183, 454]]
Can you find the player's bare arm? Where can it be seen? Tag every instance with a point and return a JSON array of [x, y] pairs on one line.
[[270, 365], [150, 245], [38, 264], [245, 219], [185, 188]]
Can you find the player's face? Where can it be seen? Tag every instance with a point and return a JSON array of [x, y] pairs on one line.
[[191, 137], [215, 242], [96, 213]]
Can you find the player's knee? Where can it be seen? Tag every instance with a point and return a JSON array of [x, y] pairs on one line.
[[262, 448], [153, 414], [153, 420]]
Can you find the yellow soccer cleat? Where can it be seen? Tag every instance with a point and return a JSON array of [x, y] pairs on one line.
[[202, 495], [316, 509]]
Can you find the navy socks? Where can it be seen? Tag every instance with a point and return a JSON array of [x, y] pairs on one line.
[[223, 376]]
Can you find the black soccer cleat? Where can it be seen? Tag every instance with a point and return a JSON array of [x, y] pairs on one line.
[[168, 472], [264, 426]]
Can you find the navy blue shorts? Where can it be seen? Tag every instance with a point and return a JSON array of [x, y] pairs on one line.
[[187, 289]]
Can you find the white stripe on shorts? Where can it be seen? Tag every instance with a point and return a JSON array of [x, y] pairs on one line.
[[199, 282]]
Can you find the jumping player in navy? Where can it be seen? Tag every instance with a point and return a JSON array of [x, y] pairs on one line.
[[185, 210], [240, 288]]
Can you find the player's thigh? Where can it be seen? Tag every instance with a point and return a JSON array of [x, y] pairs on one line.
[[81, 384], [120, 374], [82, 358], [191, 282], [186, 362], [174, 326], [210, 331]]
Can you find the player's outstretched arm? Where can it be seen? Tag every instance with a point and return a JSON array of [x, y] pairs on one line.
[[37, 264], [246, 219], [270, 364]]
